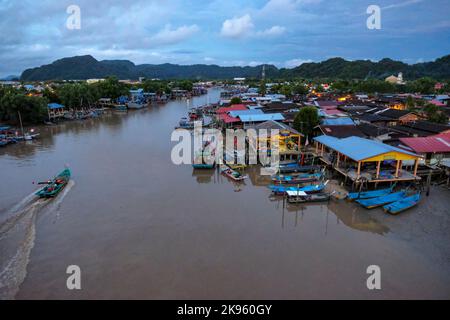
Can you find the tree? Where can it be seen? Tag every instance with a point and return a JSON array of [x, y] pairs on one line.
[[78, 95], [435, 114], [286, 90], [236, 100], [410, 103], [112, 88], [300, 88], [32, 109], [262, 88], [306, 120]]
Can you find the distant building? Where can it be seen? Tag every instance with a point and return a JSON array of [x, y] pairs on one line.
[[90, 81], [395, 80]]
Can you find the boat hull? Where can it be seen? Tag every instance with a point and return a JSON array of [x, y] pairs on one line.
[[318, 197], [380, 201], [55, 186], [368, 194], [402, 205]]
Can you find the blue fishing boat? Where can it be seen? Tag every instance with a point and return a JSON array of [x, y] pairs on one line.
[[369, 194], [203, 166], [295, 167], [314, 188], [379, 201], [296, 178], [53, 187], [185, 124], [121, 107], [403, 204]]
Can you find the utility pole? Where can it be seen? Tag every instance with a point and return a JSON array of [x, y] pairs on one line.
[[21, 125]]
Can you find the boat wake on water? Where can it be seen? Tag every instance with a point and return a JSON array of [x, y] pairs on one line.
[[17, 235]]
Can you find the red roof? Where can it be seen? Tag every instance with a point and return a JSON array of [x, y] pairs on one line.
[[227, 118], [437, 103], [433, 144], [234, 107]]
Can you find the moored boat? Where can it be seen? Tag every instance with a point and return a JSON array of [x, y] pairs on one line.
[[136, 105], [296, 178], [369, 194], [314, 188], [379, 201], [294, 167], [301, 197], [203, 166], [403, 204], [55, 186], [232, 174]]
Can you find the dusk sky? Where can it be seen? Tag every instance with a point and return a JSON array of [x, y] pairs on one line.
[[281, 32]]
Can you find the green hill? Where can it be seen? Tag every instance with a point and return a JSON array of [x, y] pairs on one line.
[[87, 67]]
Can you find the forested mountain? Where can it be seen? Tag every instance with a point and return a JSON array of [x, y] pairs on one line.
[[87, 67]]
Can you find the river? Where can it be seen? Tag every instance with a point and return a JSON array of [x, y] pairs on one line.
[[140, 227]]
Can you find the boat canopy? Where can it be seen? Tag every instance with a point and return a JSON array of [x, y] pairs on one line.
[[296, 193]]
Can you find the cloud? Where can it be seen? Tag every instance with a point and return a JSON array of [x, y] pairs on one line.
[[237, 27], [171, 36], [401, 4], [296, 62], [272, 32], [240, 27]]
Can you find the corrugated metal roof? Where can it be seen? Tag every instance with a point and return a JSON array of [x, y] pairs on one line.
[[55, 106], [337, 121], [358, 148], [238, 113], [234, 107], [261, 117], [227, 119], [433, 144], [274, 125]]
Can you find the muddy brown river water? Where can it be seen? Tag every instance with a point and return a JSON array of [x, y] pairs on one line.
[[140, 227]]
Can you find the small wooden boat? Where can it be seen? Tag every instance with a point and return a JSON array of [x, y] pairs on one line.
[[301, 197], [185, 124], [203, 166], [314, 188], [232, 174], [379, 201], [54, 186], [121, 107], [369, 194], [403, 204], [296, 179]]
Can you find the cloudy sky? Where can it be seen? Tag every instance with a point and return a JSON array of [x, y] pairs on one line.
[[224, 32]]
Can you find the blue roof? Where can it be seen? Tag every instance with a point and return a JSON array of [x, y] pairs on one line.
[[358, 148], [138, 91], [261, 117], [55, 106], [344, 121], [237, 113]]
